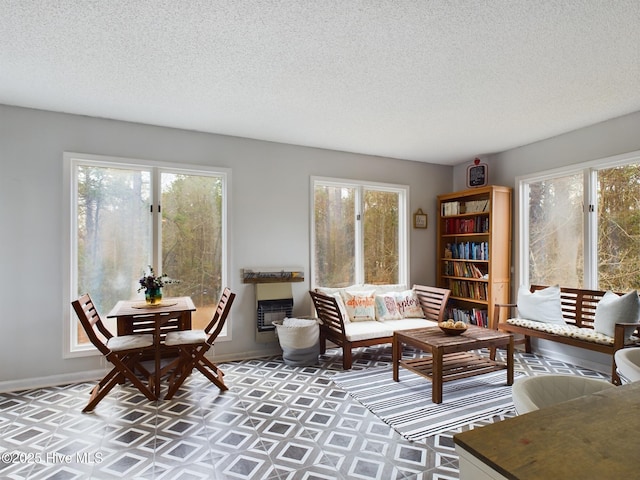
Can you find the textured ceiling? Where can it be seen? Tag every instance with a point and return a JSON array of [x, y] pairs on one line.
[[436, 81]]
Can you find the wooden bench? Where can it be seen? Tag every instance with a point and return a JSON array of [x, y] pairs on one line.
[[350, 335], [578, 309]]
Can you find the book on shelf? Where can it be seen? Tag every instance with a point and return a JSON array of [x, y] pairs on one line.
[[476, 206], [450, 208], [467, 250], [472, 316], [466, 289], [470, 206], [462, 269], [466, 225]]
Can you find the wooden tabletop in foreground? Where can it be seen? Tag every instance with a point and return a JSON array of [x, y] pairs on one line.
[[595, 436]]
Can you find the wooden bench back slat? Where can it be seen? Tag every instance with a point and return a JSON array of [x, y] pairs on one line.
[[328, 311], [433, 301], [578, 305]]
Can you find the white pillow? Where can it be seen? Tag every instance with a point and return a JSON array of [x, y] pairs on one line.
[[361, 306], [387, 288], [341, 306], [328, 290], [335, 293], [387, 308], [611, 309], [541, 306], [409, 305]]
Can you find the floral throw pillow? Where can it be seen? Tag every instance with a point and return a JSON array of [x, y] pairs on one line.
[[361, 306], [387, 308], [408, 304]]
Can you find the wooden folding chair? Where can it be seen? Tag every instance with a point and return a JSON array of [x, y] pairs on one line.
[[122, 352], [194, 344]]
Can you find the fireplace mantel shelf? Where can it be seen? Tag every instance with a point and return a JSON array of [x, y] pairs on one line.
[[272, 276]]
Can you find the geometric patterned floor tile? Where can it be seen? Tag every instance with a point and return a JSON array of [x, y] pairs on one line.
[[276, 422]]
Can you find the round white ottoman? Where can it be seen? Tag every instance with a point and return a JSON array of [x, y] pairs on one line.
[[533, 393], [628, 364]]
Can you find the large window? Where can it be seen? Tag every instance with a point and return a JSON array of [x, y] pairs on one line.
[[359, 233], [126, 215], [580, 227]]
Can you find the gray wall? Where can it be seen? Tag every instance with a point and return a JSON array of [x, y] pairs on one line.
[[269, 222], [602, 140], [606, 139]]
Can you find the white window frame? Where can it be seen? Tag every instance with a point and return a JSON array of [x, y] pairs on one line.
[[589, 170], [71, 161], [403, 224]]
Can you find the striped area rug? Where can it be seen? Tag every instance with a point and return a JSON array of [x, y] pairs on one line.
[[406, 405]]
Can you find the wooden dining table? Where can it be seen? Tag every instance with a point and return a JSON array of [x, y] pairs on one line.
[[136, 316]]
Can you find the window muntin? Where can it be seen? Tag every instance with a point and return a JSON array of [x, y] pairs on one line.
[[116, 230], [358, 233]]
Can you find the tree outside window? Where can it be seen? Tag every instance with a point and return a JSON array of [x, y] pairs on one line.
[[359, 233], [599, 205], [121, 224]]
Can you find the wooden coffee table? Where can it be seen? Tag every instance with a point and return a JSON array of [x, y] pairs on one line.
[[451, 358]]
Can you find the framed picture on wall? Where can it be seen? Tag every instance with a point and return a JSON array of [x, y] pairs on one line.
[[420, 219], [477, 174]]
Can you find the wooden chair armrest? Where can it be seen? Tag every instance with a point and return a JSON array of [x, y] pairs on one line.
[[619, 332], [497, 310]]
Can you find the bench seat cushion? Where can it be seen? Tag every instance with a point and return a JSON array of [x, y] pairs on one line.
[[366, 330], [356, 331], [585, 334]]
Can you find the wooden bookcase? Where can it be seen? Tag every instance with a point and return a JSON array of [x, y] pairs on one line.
[[474, 251]]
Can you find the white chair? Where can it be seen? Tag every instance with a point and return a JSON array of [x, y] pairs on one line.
[[534, 393], [628, 364]]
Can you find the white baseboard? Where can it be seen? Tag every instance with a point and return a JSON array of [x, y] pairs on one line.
[[247, 355], [50, 381], [580, 362], [92, 375]]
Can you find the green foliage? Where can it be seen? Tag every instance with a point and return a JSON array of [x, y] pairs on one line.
[[192, 236], [335, 236], [151, 281], [619, 228], [381, 237], [115, 233]]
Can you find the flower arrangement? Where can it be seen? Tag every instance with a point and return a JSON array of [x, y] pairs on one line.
[[151, 281]]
